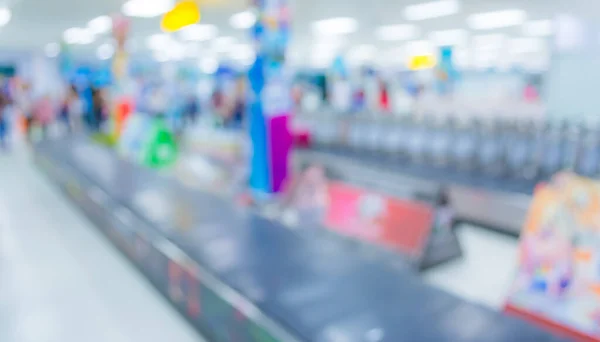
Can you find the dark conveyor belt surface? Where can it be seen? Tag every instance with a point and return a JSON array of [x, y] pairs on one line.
[[313, 290], [444, 176]]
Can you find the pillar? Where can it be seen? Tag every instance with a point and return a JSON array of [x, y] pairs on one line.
[[269, 98]]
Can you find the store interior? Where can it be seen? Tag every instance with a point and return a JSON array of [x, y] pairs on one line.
[[286, 170]]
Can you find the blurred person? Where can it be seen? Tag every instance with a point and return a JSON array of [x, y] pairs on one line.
[[24, 103], [238, 107], [43, 114], [75, 109], [98, 109], [4, 118], [192, 109]]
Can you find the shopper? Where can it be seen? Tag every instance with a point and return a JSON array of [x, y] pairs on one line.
[[4, 113], [74, 109], [43, 114], [98, 108], [24, 104]]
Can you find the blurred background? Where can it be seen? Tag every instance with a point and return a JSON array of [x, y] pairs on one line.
[[272, 170]]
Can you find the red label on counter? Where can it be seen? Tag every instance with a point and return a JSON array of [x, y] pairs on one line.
[[400, 224]]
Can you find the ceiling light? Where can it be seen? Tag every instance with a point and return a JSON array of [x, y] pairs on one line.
[[243, 20], [198, 32], [77, 35], [5, 15], [498, 19], [146, 8], [100, 25], [71, 36], [52, 50], [105, 51], [335, 26], [449, 37], [538, 28], [209, 65], [159, 41], [86, 37], [429, 10], [526, 45], [396, 32]]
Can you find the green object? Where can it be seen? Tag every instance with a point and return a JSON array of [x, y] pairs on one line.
[[159, 148]]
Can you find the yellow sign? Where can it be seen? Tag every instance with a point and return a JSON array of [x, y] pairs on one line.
[[183, 14], [421, 62]]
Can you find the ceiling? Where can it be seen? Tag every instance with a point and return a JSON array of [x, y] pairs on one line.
[[38, 22]]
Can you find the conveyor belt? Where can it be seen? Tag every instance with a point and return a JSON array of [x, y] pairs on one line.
[[249, 279]]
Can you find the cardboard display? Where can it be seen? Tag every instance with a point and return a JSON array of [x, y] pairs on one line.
[[558, 277]]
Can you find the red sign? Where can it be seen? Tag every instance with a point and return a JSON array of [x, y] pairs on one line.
[[400, 224]]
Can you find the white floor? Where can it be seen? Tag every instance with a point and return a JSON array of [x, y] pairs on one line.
[[60, 280], [484, 273]]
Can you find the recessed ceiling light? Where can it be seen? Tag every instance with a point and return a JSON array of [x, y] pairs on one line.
[[335, 26], [159, 41], [78, 35], [449, 37], [105, 51], [146, 8], [243, 20], [5, 15], [498, 19], [100, 25], [538, 28], [430, 10], [396, 32], [198, 32], [52, 50]]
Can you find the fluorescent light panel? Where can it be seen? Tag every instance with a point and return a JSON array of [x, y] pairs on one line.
[[198, 32], [100, 25], [430, 10], [78, 35], [146, 8], [396, 32], [335, 26], [5, 16], [243, 20], [495, 20]]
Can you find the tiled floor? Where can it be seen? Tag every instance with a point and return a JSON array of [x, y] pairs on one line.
[[60, 281]]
